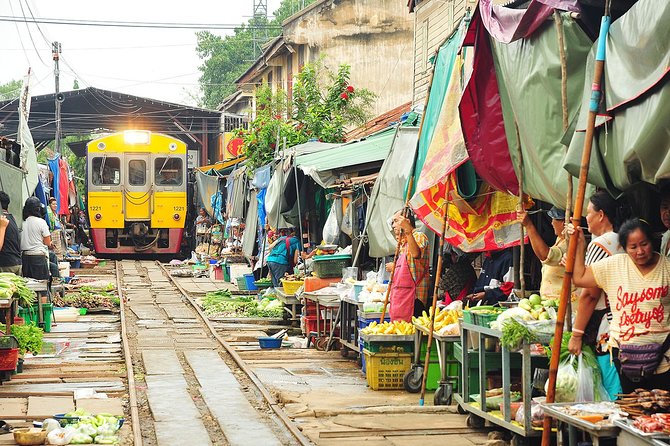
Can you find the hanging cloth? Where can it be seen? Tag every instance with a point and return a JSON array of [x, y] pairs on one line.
[[63, 188]]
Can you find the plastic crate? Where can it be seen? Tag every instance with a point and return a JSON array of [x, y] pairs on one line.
[[8, 359], [309, 325], [315, 283], [386, 371], [8, 342], [241, 283], [291, 286], [330, 266], [470, 315], [249, 279]]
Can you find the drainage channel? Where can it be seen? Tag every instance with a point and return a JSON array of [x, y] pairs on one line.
[[189, 391]]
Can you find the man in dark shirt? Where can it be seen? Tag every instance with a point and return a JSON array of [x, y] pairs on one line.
[[10, 253], [496, 264]]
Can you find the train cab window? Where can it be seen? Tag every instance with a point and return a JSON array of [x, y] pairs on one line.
[[168, 171], [137, 172], [106, 171]]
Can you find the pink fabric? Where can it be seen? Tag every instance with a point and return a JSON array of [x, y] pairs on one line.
[[482, 117], [63, 189], [403, 292], [508, 24]]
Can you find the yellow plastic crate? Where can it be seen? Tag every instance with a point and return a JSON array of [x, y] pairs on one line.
[[385, 371], [291, 286]]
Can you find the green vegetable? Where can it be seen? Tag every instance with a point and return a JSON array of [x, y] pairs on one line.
[[79, 438], [535, 299], [28, 336], [514, 333], [106, 439]]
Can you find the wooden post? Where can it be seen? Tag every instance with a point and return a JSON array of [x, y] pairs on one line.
[[576, 217], [438, 276]]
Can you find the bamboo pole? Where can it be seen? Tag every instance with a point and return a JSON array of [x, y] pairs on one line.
[[565, 121], [438, 276], [522, 250], [577, 216]]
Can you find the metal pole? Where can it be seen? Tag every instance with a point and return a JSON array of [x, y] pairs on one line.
[[577, 216], [297, 197], [55, 50]]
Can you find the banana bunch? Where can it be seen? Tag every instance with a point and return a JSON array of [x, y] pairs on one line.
[[443, 318], [389, 328]]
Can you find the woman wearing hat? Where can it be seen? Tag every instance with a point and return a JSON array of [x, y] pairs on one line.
[[550, 256]]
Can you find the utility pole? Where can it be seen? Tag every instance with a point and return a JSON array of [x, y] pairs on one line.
[[55, 50], [260, 35]]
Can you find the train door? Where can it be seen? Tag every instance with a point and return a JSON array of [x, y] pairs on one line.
[[137, 192]]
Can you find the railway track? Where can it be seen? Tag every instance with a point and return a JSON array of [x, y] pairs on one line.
[[160, 321]]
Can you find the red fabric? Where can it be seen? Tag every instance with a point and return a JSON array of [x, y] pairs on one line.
[[508, 24], [63, 189], [482, 117], [403, 292]]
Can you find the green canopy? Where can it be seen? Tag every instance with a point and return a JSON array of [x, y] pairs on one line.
[[320, 165]]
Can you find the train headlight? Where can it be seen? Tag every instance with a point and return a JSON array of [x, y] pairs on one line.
[[176, 217], [137, 137], [98, 217]]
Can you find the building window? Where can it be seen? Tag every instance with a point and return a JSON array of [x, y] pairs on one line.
[[270, 80], [289, 74], [280, 78]]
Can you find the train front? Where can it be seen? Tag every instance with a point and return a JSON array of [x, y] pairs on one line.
[[136, 187]]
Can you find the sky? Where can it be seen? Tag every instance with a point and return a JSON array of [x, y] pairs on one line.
[[155, 63]]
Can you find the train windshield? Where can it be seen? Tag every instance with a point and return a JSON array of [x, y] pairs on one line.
[[168, 171], [106, 171], [137, 172]]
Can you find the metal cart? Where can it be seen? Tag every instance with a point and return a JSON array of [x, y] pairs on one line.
[[477, 410], [349, 309], [412, 381], [326, 311], [291, 305], [629, 436]]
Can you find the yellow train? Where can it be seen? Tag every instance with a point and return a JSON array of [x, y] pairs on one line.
[[136, 193]]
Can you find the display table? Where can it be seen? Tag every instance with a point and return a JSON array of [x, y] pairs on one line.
[[291, 304], [575, 424], [41, 287], [349, 309], [326, 306], [478, 412], [629, 436], [8, 307]]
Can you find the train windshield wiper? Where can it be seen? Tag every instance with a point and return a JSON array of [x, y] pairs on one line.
[[160, 171]]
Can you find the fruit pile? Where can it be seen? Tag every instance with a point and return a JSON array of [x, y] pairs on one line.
[[443, 318], [537, 306], [389, 328]]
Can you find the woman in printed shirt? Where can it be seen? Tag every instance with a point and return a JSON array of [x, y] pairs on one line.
[[637, 286], [593, 313]]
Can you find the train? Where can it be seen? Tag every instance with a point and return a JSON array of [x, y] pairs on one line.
[[136, 190]]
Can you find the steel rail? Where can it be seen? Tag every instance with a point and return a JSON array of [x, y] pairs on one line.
[[132, 393], [269, 399]]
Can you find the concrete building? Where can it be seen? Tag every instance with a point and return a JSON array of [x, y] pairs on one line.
[[374, 37]]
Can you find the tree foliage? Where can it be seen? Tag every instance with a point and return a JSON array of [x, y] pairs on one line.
[[323, 105], [10, 90], [226, 58]]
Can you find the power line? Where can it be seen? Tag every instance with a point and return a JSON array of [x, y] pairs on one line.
[[123, 24]]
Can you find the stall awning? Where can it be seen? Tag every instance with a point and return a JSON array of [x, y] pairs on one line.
[[319, 165]]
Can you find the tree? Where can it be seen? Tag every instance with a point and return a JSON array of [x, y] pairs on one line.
[[226, 58], [10, 90], [323, 105]]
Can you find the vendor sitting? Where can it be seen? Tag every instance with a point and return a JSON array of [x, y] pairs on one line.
[[491, 287], [411, 278]]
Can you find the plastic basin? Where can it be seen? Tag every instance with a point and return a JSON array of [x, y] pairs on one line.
[[268, 342]]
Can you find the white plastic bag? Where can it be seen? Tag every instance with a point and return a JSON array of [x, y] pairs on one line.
[[586, 383], [331, 230], [60, 436], [567, 381]]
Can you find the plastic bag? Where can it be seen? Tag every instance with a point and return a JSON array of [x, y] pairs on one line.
[[567, 381], [331, 230], [60, 436], [347, 225], [585, 385]]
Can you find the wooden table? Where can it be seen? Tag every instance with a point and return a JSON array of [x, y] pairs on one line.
[[8, 306], [291, 301]]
